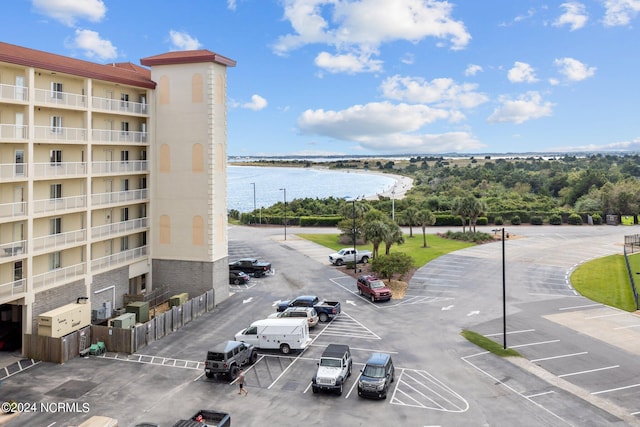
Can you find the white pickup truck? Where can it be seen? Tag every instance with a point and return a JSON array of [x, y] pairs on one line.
[[348, 255]]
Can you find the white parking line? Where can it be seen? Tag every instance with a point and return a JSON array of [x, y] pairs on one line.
[[510, 332], [606, 315], [588, 371], [539, 394], [534, 343], [580, 306], [627, 327], [559, 357], [616, 389]]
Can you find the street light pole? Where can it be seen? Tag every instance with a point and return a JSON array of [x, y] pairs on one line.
[[285, 212], [393, 203], [254, 202], [504, 300], [355, 260]]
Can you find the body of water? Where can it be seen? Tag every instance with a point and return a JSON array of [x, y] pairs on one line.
[[299, 183]]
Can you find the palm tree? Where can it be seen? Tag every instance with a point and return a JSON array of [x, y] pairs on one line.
[[425, 217], [375, 232], [393, 235], [409, 216], [463, 206], [478, 208]]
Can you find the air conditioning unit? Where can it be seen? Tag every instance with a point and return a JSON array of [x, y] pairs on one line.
[[98, 315], [107, 309]]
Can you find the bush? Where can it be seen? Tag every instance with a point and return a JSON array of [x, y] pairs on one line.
[[498, 221], [483, 220], [516, 220], [468, 236], [574, 219], [597, 219], [386, 266], [537, 220], [555, 219]]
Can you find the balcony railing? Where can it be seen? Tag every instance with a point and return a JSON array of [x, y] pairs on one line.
[[118, 106], [62, 169], [13, 170], [59, 205], [14, 93], [118, 197], [119, 167], [13, 132], [13, 249], [59, 276], [118, 259], [12, 289], [119, 136], [61, 134], [59, 240], [118, 227], [13, 210], [52, 97]]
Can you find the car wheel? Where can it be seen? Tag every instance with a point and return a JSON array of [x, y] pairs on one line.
[[365, 259], [254, 357], [339, 262], [285, 349], [349, 371], [314, 389], [236, 282], [324, 317], [233, 372], [360, 291], [393, 376], [340, 390], [373, 298], [209, 374]]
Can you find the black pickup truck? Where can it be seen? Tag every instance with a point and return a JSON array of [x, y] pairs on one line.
[[251, 266]]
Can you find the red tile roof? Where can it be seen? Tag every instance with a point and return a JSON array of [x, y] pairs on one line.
[[187, 57], [123, 73]]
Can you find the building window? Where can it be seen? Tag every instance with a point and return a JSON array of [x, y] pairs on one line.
[[56, 90], [124, 185], [143, 282], [124, 243], [124, 156], [17, 271], [55, 225], [124, 214], [143, 182], [55, 157], [54, 261], [124, 100], [55, 191], [124, 127], [143, 154], [56, 124]]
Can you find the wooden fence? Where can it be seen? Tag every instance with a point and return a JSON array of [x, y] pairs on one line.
[[60, 350]]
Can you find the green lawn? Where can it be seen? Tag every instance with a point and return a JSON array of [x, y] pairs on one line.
[[606, 280], [436, 246]]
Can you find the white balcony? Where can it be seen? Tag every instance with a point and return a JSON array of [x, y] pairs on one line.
[[59, 205], [63, 169], [12, 289], [60, 134], [118, 197], [13, 249], [58, 241], [116, 167], [66, 99], [125, 257], [118, 228], [14, 93], [118, 106], [118, 136], [59, 276], [13, 210], [10, 171], [13, 132]]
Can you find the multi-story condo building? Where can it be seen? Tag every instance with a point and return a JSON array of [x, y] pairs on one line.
[[112, 180]]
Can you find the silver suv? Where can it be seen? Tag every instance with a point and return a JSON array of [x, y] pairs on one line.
[[227, 357]]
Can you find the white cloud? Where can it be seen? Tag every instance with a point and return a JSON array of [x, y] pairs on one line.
[[408, 58], [574, 15], [69, 11], [442, 92], [522, 73], [92, 45], [347, 63], [183, 41], [633, 146], [360, 27], [257, 103], [472, 70], [526, 107], [231, 4], [620, 12], [574, 70]]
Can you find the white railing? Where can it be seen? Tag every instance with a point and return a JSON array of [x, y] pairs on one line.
[[53, 241], [14, 248], [119, 136], [118, 105], [59, 205], [118, 197], [12, 210], [119, 258], [118, 227], [13, 170], [50, 97], [46, 170], [119, 167], [54, 133], [13, 288], [13, 132], [58, 276], [14, 93]]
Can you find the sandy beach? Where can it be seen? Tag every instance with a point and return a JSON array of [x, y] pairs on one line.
[[396, 191]]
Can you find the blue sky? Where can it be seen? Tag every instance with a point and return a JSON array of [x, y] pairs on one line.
[[369, 77]]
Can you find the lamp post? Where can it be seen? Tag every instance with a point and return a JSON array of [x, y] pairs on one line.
[[254, 201], [355, 260], [504, 301], [393, 203], [285, 212]]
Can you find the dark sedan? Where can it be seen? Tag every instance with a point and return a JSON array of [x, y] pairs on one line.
[[237, 277]]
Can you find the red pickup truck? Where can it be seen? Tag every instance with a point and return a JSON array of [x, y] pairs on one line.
[[374, 288]]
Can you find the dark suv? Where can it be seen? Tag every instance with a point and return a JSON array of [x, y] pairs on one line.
[[373, 288], [227, 357], [376, 376]]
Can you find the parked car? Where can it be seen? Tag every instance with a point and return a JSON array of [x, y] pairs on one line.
[[349, 254], [206, 418], [251, 266], [237, 277], [373, 288], [326, 309], [377, 375], [272, 334], [308, 312], [227, 357], [333, 369]]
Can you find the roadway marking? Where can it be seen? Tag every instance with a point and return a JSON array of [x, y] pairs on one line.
[[535, 343], [350, 327], [420, 389], [616, 389], [580, 306], [627, 327], [540, 394], [559, 357], [588, 371], [606, 315], [510, 332]]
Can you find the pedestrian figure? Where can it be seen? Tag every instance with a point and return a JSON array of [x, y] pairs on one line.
[[241, 383]]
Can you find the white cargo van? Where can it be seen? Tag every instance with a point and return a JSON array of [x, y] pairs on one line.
[[285, 334]]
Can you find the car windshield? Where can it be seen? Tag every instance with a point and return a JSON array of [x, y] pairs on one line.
[[373, 371], [333, 363], [377, 284]]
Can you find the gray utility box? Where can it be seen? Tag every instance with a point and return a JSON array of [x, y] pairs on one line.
[[125, 321], [140, 309]]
